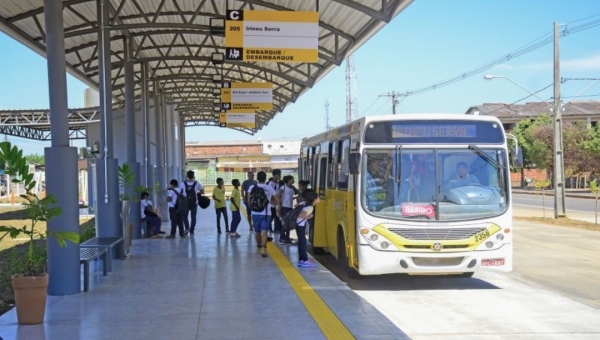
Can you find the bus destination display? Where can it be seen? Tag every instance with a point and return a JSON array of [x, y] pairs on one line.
[[433, 131]]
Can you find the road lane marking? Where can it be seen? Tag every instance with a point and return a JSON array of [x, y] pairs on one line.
[[550, 207], [331, 326]]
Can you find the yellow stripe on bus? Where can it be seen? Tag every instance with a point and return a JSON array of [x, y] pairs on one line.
[[331, 326]]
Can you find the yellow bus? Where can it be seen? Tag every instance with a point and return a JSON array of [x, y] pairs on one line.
[[413, 193]]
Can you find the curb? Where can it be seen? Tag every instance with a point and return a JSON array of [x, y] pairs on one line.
[[525, 192]]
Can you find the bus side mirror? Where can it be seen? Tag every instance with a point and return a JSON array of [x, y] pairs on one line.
[[354, 161], [517, 157]]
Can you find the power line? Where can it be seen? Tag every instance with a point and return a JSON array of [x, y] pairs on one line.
[[370, 106], [533, 45]]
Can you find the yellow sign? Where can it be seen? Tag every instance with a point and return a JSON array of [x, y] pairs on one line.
[[242, 120], [276, 36], [246, 97]]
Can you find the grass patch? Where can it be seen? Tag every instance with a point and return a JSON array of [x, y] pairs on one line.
[[11, 249], [563, 222]]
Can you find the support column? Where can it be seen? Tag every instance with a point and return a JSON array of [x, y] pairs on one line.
[[182, 149], [134, 205], [146, 167], [161, 193], [61, 161], [109, 205]]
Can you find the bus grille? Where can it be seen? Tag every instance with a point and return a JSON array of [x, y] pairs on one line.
[[437, 261], [436, 234]]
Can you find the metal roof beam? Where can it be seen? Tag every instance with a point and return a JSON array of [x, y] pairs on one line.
[[93, 70], [379, 15]]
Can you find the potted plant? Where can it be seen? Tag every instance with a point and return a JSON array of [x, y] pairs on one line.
[[126, 181], [30, 281]]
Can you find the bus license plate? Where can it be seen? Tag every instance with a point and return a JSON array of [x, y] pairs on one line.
[[492, 262]]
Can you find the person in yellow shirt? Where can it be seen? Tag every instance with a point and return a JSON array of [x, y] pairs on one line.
[[220, 206], [234, 206]]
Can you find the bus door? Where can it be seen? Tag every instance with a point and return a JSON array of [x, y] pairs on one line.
[[333, 205], [319, 234], [343, 200]]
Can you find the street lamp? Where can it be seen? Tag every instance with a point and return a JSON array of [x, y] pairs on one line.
[[559, 170], [490, 77]]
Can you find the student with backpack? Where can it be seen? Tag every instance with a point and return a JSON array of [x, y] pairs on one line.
[[307, 213], [287, 204], [177, 208], [261, 195], [192, 188]]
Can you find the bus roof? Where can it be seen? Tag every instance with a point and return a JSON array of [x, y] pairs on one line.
[[361, 122]]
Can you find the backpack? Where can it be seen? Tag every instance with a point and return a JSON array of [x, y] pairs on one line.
[[289, 220], [181, 205], [190, 193], [258, 199]]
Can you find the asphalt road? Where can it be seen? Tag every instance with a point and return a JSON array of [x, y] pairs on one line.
[[577, 205], [552, 293]]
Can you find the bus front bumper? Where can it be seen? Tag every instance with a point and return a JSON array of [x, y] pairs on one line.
[[374, 262]]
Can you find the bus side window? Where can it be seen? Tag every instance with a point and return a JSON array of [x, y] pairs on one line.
[[343, 165], [322, 175], [331, 165]]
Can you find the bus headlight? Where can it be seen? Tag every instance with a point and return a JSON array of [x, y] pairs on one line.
[[376, 241], [500, 237], [489, 244]]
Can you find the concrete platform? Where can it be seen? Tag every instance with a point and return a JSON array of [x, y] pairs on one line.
[[208, 286]]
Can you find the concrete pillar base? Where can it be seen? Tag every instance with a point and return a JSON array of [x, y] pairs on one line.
[[108, 213], [63, 262]]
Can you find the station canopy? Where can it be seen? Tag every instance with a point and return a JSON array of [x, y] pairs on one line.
[[174, 38]]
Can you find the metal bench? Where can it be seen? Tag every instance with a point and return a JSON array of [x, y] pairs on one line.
[[107, 243], [86, 255]]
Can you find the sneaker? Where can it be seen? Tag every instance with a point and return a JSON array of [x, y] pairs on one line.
[[235, 235], [307, 264], [161, 232], [182, 236], [187, 231], [156, 236]]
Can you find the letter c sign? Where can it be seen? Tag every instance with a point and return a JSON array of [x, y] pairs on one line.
[[235, 15]]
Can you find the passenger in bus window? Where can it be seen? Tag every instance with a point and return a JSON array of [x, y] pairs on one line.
[[461, 177], [375, 187]]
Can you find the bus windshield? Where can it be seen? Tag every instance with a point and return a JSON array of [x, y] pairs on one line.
[[435, 183]]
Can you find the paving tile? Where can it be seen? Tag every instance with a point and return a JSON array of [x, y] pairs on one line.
[[207, 286]]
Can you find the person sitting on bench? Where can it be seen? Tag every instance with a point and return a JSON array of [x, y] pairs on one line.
[[150, 216]]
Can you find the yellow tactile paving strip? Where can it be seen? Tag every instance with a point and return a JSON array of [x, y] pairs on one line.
[[331, 326]]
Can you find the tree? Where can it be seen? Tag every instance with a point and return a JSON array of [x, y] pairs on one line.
[[35, 159]]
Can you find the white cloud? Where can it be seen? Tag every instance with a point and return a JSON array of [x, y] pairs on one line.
[[589, 63]]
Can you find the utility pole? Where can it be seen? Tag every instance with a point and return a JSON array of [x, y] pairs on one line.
[[559, 171], [393, 95]]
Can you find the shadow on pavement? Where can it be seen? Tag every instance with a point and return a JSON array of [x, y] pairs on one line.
[[398, 282]]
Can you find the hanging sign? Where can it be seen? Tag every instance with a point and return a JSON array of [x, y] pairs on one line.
[[246, 97], [272, 36]]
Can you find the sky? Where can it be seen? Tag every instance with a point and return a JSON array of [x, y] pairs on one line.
[[428, 42]]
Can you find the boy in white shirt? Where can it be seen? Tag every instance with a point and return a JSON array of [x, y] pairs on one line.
[[149, 216], [262, 219], [176, 219]]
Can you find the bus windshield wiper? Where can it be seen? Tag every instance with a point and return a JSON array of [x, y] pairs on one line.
[[485, 156]]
